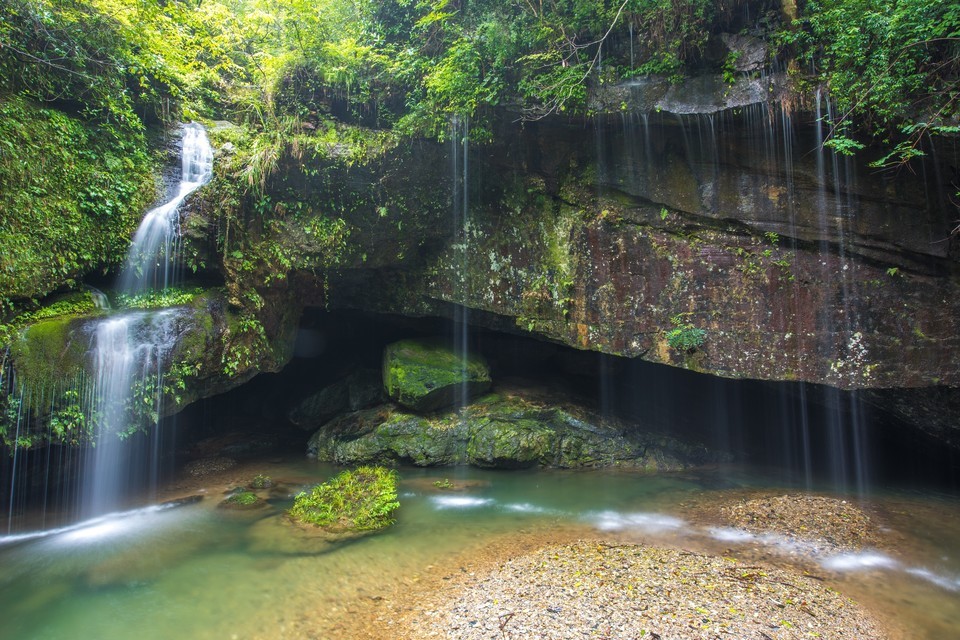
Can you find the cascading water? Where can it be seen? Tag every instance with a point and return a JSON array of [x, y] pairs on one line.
[[128, 350], [151, 260]]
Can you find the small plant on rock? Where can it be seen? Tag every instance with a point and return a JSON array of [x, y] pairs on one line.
[[261, 481], [684, 336], [362, 500], [241, 500], [443, 484]]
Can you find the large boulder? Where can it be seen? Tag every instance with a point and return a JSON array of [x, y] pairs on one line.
[[319, 407], [498, 431], [427, 375]]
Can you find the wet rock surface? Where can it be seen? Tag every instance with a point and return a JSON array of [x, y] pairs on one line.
[[319, 407], [208, 466], [427, 375], [504, 430]]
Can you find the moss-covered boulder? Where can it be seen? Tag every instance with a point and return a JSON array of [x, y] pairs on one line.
[[363, 499], [499, 431], [242, 501], [427, 375]]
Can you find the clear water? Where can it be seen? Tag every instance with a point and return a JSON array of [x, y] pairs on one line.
[[198, 572]]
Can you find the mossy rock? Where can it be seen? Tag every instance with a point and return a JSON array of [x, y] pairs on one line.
[[427, 375], [363, 499], [242, 501], [50, 352], [498, 431]]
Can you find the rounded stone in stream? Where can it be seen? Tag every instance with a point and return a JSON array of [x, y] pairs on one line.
[[427, 375]]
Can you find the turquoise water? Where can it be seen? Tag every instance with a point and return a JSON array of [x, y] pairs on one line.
[[196, 571]]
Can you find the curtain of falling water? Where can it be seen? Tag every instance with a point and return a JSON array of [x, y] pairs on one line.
[[460, 174]]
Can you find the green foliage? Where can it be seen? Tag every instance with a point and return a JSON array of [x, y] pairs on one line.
[[363, 500], [73, 192], [885, 63], [684, 336], [241, 500], [244, 343], [261, 481], [170, 297]]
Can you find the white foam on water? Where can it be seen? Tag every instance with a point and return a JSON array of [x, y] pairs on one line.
[[527, 507], [460, 502], [93, 529], [730, 534], [944, 582], [860, 561], [646, 522]]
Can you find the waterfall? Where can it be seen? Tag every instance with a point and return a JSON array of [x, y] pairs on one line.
[[151, 261], [129, 349], [459, 148]]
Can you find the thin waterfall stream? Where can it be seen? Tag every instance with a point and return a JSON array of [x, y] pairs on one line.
[[128, 349]]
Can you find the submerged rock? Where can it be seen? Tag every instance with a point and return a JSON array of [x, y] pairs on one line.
[[498, 431], [206, 466], [426, 375]]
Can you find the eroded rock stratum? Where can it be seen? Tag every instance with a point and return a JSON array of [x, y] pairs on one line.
[[730, 243]]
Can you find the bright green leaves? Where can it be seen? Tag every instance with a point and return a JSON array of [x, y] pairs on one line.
[[360, 500], [72, 195], [886, 61], [458, 84]]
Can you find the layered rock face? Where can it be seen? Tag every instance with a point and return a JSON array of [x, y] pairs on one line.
[[723, 240], [728, 243]]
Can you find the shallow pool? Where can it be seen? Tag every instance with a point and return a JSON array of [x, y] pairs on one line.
[[196, 571]]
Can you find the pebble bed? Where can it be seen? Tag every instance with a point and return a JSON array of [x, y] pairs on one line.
[[830, 524], [208, 466], [595, 589]]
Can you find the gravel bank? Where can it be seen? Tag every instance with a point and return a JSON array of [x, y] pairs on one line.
[[595, 589], [829, 524]]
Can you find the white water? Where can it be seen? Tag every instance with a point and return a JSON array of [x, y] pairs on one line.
[[129, 350], [151, 259]]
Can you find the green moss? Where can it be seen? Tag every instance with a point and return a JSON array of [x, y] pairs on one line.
[[261, 481], [73, 192], [242, 500], [47, 353], [72, 304], [424, 374], [361, 500]]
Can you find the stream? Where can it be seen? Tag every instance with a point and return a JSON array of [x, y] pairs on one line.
[[196, 571]]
